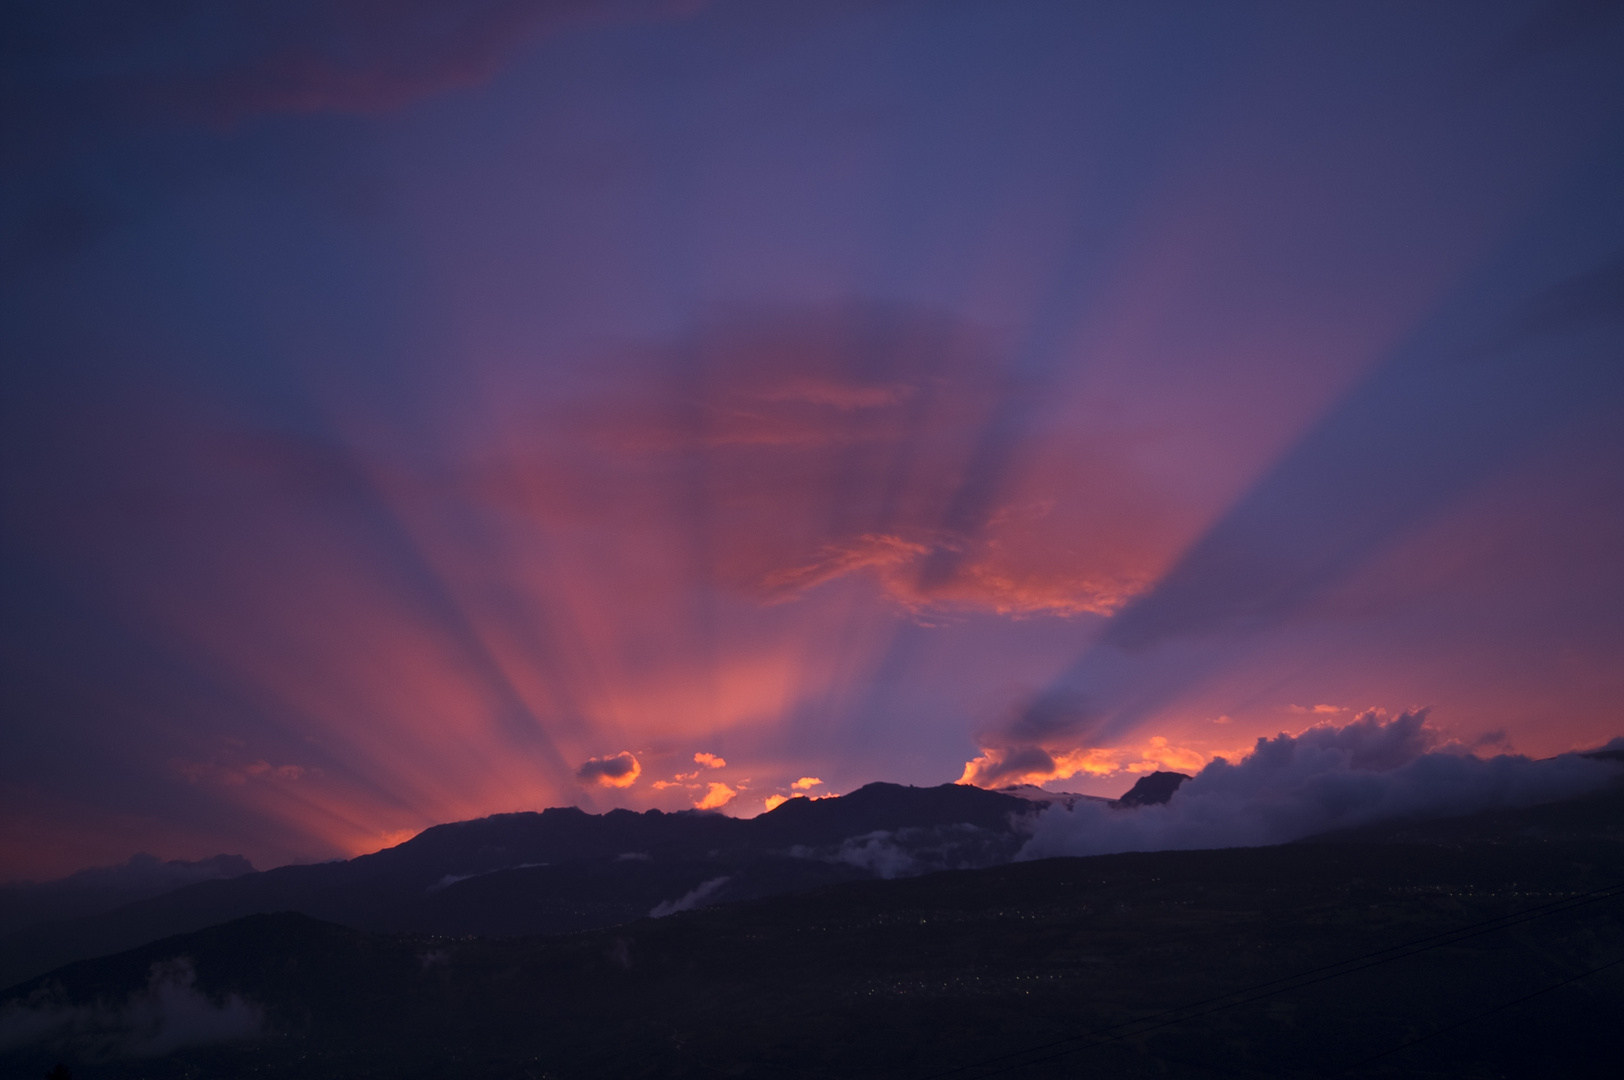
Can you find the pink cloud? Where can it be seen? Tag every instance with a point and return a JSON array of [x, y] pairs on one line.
[[347, 56]]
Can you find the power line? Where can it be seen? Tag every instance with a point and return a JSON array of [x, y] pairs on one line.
[[1479, 1016], [1270, 988]]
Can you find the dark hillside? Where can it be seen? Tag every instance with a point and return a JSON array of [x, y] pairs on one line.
[[917, 977]]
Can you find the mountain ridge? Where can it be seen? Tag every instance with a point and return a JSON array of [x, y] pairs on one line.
[[563, 869]]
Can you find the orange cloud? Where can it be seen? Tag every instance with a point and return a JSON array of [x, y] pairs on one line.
[[775, 801], [805, 783], [619, 771], [777, 400], [987, 578], [997, 767], [1008, 589], [710, 761], [871, 551], [717, 796], [1002, 766]]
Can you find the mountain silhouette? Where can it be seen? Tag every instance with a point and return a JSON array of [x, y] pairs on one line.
[[1151, 790], [103, 888], [563, 869]]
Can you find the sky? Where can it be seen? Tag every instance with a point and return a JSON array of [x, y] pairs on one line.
[[420, 410]]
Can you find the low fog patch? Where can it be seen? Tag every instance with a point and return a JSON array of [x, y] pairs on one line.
[[451, 879], [919, 850], [689, 900], [1289, 787], [170, 1013]]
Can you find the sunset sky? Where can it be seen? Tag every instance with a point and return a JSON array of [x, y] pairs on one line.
[[416, 411]]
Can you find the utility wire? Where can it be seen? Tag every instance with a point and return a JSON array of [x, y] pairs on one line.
[[1259, 991], [1474, 1018]]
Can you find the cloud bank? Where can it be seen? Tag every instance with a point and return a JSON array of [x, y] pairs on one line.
[[1374, 769]]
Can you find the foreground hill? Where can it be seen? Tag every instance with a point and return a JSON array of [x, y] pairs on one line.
[[1499, 933]]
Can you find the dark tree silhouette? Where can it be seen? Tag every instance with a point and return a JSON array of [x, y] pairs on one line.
[[61, 1072]]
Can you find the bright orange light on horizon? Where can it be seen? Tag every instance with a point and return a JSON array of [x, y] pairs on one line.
[[1000, 767]]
